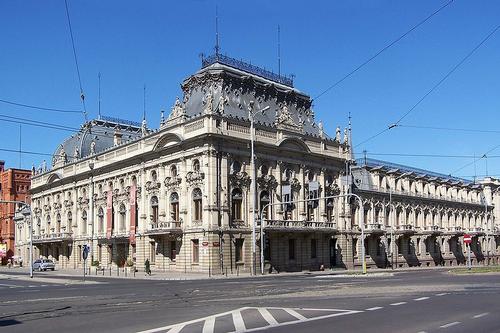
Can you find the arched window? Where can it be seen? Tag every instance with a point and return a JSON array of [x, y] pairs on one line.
[[100, 219], [287, 175], [69, 222], [84, 223], [122, 218], [236, 203], [173, 171], [235, 167], [264, 201], [197, 204], [154, 209], [174, 207], [58, 223], [330, 210], [196, 166]]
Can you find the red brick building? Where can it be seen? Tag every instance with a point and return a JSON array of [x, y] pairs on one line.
[[14, 186]]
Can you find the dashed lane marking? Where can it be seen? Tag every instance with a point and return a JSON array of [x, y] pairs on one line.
[[305, 315], [421, 299], [442, 294], [375, 308], [450, 324], [399, 303], [481, 315]]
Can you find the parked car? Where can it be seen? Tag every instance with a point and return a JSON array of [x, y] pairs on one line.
[[44, 264]]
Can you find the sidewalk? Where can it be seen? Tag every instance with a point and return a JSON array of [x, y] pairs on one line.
[[120, 274]]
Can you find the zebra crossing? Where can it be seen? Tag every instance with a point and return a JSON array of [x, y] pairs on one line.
[[249, 319]]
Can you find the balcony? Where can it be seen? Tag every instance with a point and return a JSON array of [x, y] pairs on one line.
[[433, 229], [405, 229], [165, 227], [456, 230], [291, 225], [52, 237], [374, 228]]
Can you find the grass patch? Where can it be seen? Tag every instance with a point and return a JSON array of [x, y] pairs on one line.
[[476, 270]]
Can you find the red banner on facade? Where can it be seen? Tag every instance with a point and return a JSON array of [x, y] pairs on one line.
[[133, 213], [109, 213]]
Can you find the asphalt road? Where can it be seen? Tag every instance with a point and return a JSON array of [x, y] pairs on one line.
[[417, 301]]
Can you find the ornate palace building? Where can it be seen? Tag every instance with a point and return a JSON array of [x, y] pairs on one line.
[[181, 196]]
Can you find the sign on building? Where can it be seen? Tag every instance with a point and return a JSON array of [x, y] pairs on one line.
[[3, 250]]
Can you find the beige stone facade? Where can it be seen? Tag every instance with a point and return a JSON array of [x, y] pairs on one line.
[[181, 196]]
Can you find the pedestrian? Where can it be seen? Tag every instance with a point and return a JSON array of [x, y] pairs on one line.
[[20, 261], [147, 267]]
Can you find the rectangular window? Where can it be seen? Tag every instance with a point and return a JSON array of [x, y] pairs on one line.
[[173, 250], [313, 249], [238, 252], [152, 252], [291, 249], [196, 250]]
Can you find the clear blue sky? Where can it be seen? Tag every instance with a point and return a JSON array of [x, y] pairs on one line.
[[157, 43]]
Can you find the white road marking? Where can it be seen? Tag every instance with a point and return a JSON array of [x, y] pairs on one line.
[[239, 324], [209, 322], [422, 332], [209, 325], [450, 324], [295, 314], [10, 285], [442, 294], [399, 303], [481, 315], [268, 316], [420, 299], [375, 308]]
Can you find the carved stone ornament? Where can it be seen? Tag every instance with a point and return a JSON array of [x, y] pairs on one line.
[[295, 185], [172, 182], [268, 182], [284, 120], [152, 186], [83, 201], [223, 101], [177, 110], [37, 211], [209, 103], [46, 208], [240, 179], [195, 178], [332, 189]]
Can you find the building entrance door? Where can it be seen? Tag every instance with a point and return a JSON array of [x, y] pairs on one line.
[[333, 252]]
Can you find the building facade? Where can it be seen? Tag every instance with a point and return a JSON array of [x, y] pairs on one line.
[[14, 186], [182, 196]]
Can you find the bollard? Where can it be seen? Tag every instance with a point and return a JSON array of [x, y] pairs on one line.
[[125, 271], [109, 270], [117, 271], [226, 271], [237, 270]]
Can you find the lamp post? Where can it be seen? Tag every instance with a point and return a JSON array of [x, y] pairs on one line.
[[251, 117], [91, 166], [26, 211], [363, 259]]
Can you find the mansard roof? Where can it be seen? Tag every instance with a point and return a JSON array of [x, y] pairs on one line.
[[100, 131], [224, 86], [404, 169]]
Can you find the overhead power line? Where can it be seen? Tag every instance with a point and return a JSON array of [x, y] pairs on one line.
[[82, 95], [39, 107], [24, 152], [426, 155], [385, 48], [441, 81], [485, 155], [450, 129]]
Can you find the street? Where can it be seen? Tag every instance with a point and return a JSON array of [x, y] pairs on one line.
[[409, 301]]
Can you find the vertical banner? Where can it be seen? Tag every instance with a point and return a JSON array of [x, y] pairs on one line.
[[133, 213], [109, 213]]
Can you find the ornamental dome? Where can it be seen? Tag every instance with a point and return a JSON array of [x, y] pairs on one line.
[[94, 137]]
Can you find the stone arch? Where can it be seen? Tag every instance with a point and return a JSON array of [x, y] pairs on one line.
[[294, 144], [167, 140], [53, 178]]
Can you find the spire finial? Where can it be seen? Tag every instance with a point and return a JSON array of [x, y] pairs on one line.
[[217, 47], [99, 99]]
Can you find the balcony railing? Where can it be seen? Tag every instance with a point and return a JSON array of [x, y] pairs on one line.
[[164, 227], [405, 227], [52, 237], [299, 225], [432, 228], [455, 228], [374, 227]]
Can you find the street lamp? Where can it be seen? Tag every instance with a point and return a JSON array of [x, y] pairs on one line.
[[91, 166], [251, 117], [26, 211]]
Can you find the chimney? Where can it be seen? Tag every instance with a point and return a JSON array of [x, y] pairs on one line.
[[117, 137]]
